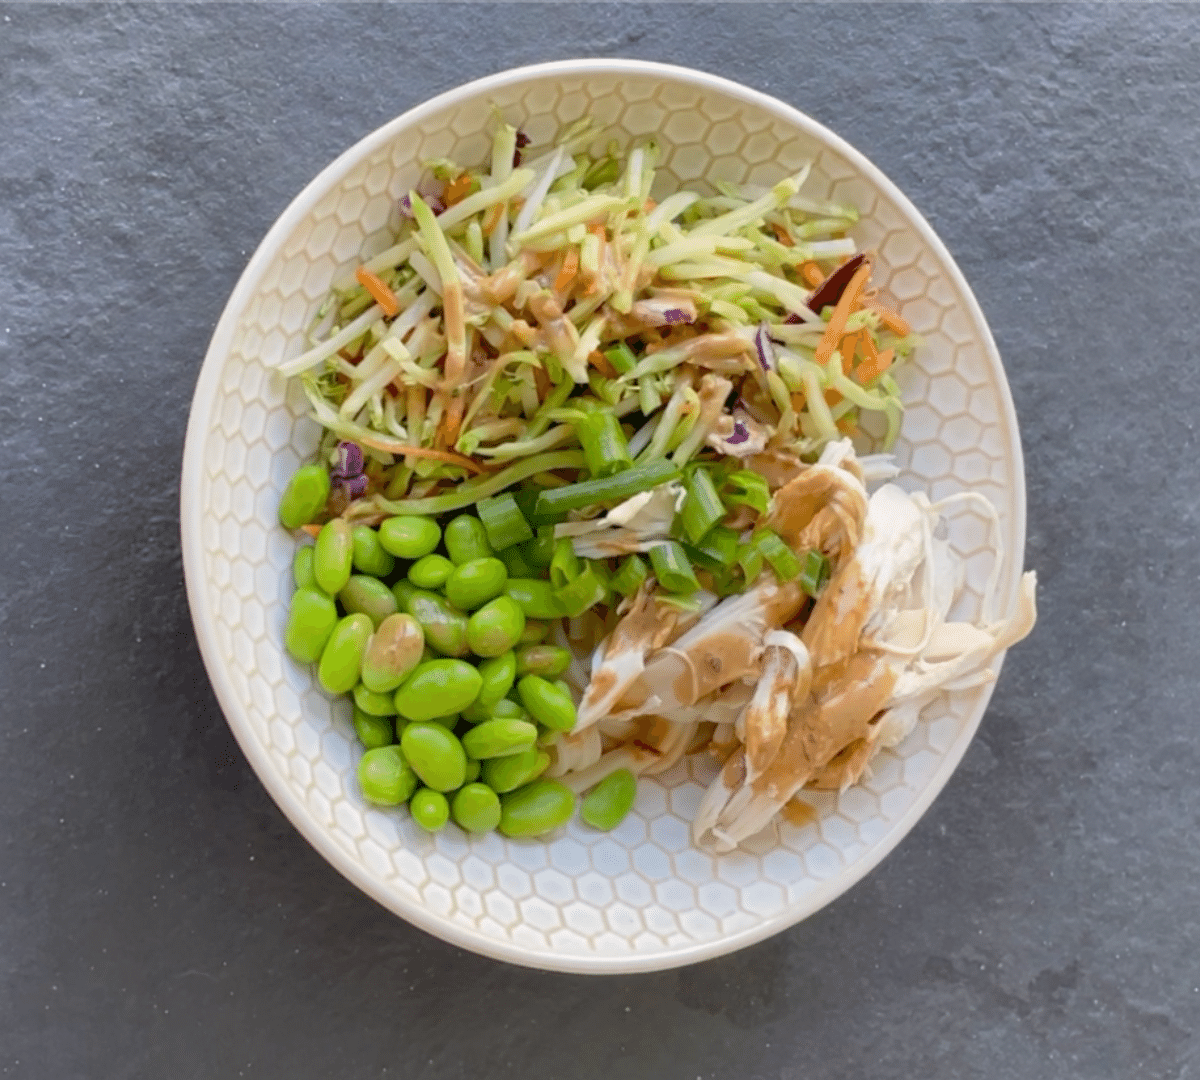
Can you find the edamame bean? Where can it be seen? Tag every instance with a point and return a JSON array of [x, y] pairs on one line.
[[368, 595], [534, 632], [448, 722], [409, 537], [311, 620], [430, 572], [305, 496], [369, 556], [466, 539], [605, 806], [544, 660], [333, 556], [475, 583], [473, 768], [393, 652], [536, 808], [476, 808], [385, 777], [549, 704], [401, 724], [437, 688], [535, 597], [499, 738], [498, 674], [509, 773], [373, 731], [496, 627], [302, 568], [429, 809], [341, 659], [404, 591], [435, 755], [444, 625], [374, 704]]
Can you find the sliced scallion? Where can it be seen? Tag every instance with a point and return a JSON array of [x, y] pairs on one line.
[[673, 568], [503, 521]]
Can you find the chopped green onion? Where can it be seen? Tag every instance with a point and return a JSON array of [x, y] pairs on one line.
[[702, 508], [564, 564], [628, 579], [614, 488], [750, 559], [719, 547], [782, 558], [584, 591], [746, 488], [503, 521], [471, 491], [815, 573], [540, 550], [673, 568], [621, 357], [605, 449], [515, 562]]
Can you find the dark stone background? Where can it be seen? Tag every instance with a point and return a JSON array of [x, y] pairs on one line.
[[160, 918]]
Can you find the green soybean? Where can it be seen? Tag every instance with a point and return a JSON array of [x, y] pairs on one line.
[[536, 808], [305, 496], [404, 591], [535, 597], [534, 632], [368, 595], [476, 808], [466, 539], [506, 709], [393, 652], [311, 620], [498, 674], [401, 724], [472, 773], [333, 556], [386, 777], [544, 660], [375, 704], [509, 773], [373, 731], [496, 627], [605, 806], [409, 537], [437, 688], [499, 738], [445, 627], [341, 659], [475, 583], [369, 556], [549, 704], [429, 809], [430, 572], [435, 755], [302, 568]]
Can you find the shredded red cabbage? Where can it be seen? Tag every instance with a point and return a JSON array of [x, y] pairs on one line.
[[765, 347], [349, 461]]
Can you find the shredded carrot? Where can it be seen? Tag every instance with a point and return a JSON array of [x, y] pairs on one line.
[[892, 321], [849, 344], [813, 275], [312, 530], [451, 422], [648, 205], [798, 402], [600, 362], [379, 290], [394, 446], [492, 218], [874, 366], [566, 274], [837, 321], [458, 189], [541, 382], [847, 426], [781, 234], [598, 231], [832, 397]]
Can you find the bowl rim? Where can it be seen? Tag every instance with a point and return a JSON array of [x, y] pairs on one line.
[[191, 513]]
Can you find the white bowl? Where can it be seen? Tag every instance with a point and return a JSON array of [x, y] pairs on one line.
[[641, 897]]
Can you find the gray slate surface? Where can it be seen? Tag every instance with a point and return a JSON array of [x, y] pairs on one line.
[[160, 918]]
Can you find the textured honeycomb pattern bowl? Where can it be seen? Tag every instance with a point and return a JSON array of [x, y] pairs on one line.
[[640, 897]]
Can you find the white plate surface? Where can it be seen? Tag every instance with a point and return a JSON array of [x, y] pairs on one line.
[[641, 897]]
